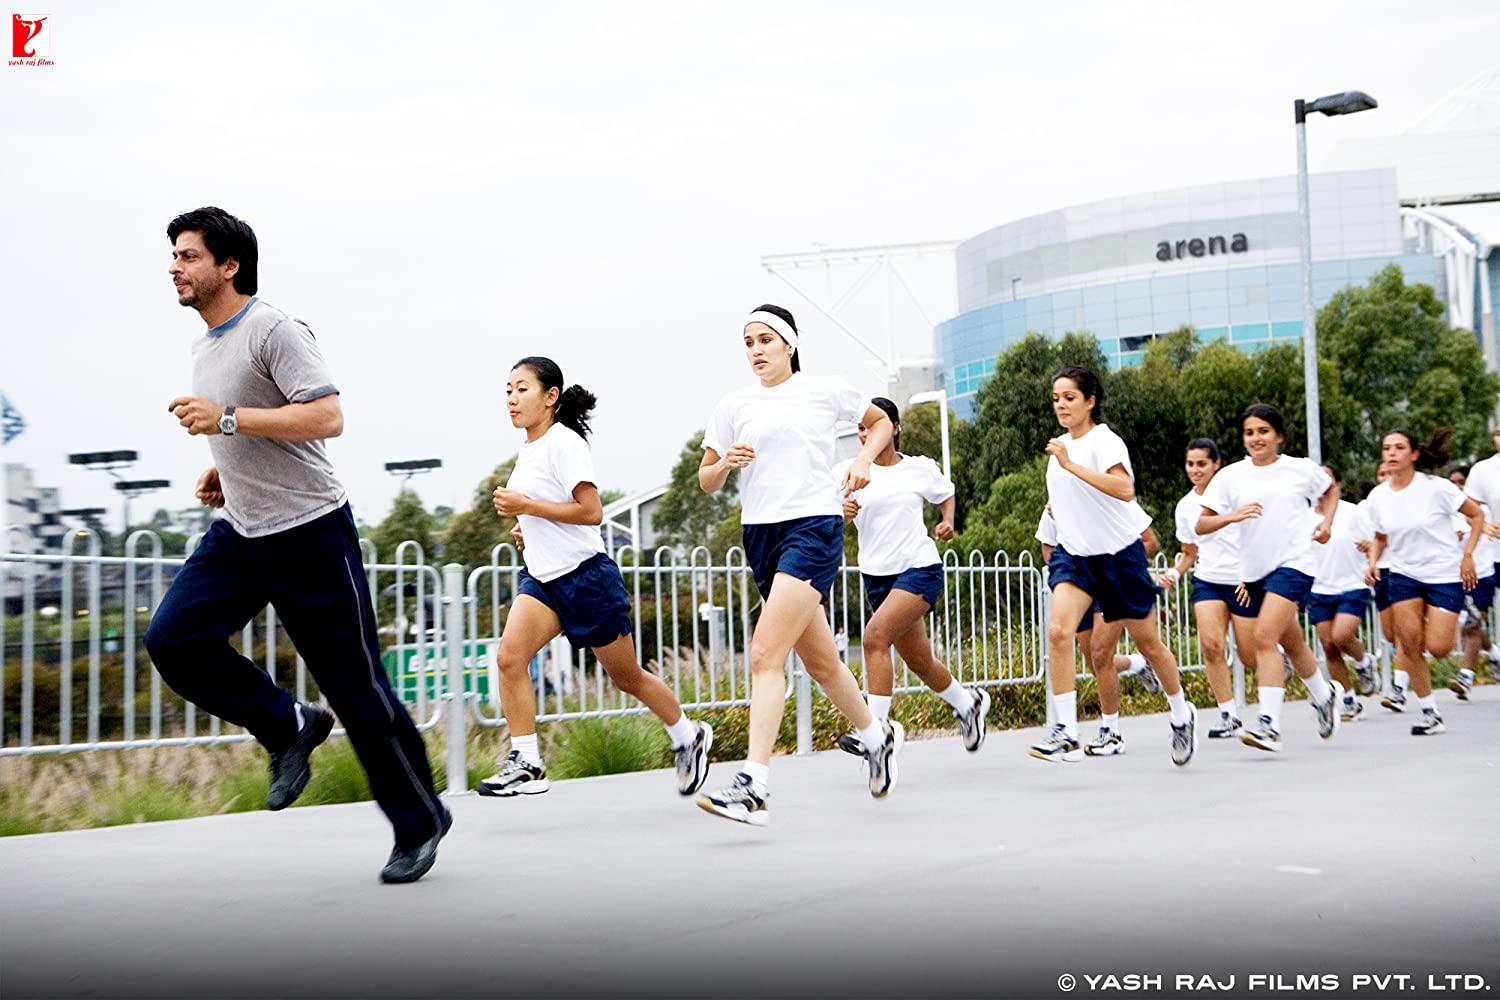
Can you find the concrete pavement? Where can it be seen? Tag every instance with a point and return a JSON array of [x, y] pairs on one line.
[[983, 875]]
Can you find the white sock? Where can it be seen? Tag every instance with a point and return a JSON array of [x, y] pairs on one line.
[[1110, 722], [1429, 703], [880, 706], [1270, 704], [1138, 664], [1229, 708], [958, 697], [1181, 710], [759, 773], [527, 747], [1401, 679], [300, 722], [1317, 687], [873, 735], [1067, 712], [1368, 662], [682, 732], [1494, 651]]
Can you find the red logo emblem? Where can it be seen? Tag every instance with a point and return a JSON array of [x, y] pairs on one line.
[[27, 40]]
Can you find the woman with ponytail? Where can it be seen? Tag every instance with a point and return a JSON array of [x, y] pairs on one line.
[[1272, 498], [903, 577], [569, 586], [1412, 515], [780, 432], [1099, 558]]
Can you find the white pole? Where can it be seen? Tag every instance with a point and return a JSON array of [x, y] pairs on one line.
[[940, 397], [1309, 315]]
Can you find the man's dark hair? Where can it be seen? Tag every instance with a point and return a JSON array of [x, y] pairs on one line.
[[227, 238]]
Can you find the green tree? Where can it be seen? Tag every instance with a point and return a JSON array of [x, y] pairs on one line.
[[1006, 521], [1404, 366], [1013, 410], [473, 534], [408, 520], [685, 514]]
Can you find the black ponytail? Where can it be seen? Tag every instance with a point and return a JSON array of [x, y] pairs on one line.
[[574, 404], [889, 409], [1435, 453]]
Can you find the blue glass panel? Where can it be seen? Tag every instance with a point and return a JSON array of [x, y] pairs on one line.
[[1250, 331], [1290, 330]]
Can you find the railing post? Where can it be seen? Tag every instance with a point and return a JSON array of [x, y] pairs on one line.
[[457, 708], [804, 705], [1047, 654], [1237, 669]]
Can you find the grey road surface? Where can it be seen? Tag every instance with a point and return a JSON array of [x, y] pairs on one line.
[[982, 875]]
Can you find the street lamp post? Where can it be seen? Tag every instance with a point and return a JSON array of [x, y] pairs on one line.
[[110, 462], [939, 397], [412, 468], [133, 488], [1347, 103]]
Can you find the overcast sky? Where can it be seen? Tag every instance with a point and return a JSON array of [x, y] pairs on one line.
[[440, 189]]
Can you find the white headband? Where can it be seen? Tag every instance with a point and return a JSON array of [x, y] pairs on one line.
[[775, 322]]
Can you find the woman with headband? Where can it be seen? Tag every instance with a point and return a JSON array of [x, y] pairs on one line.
[[1412, 514], [780, 432], [903, 576], [569, 585]]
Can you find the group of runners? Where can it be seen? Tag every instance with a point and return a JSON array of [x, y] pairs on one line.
[[1263, 538]]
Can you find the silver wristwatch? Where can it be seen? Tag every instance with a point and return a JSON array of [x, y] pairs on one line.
[[228, 424]]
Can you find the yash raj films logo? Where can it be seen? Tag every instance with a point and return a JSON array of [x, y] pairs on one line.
[[30, 40]]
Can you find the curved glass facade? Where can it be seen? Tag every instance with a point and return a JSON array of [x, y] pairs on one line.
[[1220, 258]]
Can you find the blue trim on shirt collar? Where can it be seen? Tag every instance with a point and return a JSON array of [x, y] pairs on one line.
[[233, 321]]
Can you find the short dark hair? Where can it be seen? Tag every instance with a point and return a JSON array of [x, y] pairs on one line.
[[1208, 445], [227, 238], [1088, 383], [785, 314], [574, 404], [1333, 473]]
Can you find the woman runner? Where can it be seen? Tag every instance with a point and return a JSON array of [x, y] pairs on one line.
[[1099, 557], [1477, 602], [1271, 497], [780, 433], [1107, 666], [1412, 514], [569, 586], [903, 576], [1340, 598], [1215, 562]]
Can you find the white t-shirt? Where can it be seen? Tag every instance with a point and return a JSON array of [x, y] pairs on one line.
[[1287, 491], [793, 429], [1218, 553], [1485, 551], [892, 535], [548, 469], [1046, 529], [1089, 521], [1483, 485], [1417, 523], [1385, 557], [1341, 565]]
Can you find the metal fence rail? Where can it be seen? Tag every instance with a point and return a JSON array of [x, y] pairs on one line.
[[72, 657]]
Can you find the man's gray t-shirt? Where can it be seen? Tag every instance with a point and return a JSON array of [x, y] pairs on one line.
[[263, 358]]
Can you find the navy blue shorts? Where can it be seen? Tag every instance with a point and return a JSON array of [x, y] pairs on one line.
[[1383, 590], [590, 601], [1292, 584], [924, 581], [1448, 596], [1323, 607], [1086, 623], [1204, 591], [1483, 595], [1120, 583], [808, 548]]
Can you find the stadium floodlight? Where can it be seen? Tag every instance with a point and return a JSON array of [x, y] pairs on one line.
[[414, 467], [133, 488], [1346, 103], [103, 461], [84, 513]]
